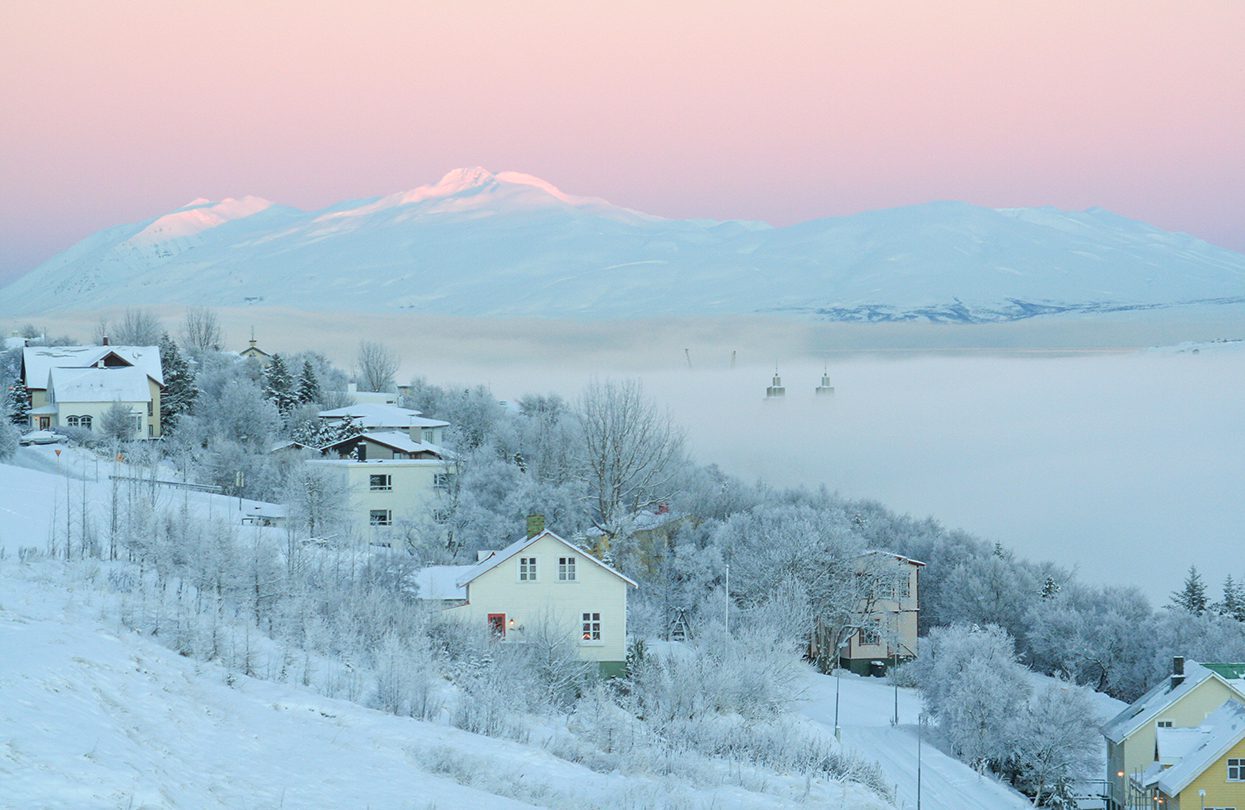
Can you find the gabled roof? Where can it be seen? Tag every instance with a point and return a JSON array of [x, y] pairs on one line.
[[124, 384], [1149, 706], [899, 557], [1226, 728], [382, 416], [498, 557], [39, 360], [393, 439]]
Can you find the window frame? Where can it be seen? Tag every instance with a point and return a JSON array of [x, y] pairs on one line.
[[590, 622], [567, 569], [1237, 764], [387, 486], [527, 569], [86, 422], [380, 517]]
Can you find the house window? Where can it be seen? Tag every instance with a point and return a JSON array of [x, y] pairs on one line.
[[138, 425], [566, 569], [869, 637], [592, 627], [905, 586], [380, 483], [72, 421], [527, 569], [1165, 724], [380, 517], [45, 422], [151, 408], [497, 624], [1236, 770], [440, 516], [429, 436], [84, 423], [442, 481]]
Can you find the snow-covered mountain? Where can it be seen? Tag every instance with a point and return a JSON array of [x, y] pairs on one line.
[[478, 243]]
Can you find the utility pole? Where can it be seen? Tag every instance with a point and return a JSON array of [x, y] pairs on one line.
[[728, 599]]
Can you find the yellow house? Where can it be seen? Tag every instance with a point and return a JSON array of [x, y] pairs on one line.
[[1184, 700], [72, 386], [1205, 767], [890, 627], [540, 578]]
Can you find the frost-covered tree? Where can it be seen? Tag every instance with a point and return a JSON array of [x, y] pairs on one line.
[[201, 332], [1056, 743], [1191, 597], [117, 423], [179, 385], [377, 364], [631, 452], [17, 403], [315, 500], [309, 385], [8, 440], [1233, 602], [279, 385], [138, 327], [973, 687]]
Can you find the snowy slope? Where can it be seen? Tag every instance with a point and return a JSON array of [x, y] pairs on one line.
[[478, 243]]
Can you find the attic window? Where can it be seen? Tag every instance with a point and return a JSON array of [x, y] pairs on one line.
[[1165, 724], [566, 569], [527, 569], [1236, 770]]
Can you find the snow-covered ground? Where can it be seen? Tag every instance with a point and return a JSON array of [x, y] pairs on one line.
[[95, 715]]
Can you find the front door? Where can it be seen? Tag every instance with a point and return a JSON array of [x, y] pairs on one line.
[[497, 624], [45, 422]]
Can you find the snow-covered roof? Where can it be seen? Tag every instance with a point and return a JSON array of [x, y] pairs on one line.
[[1147, 708], [39, 360], [1174, 744], [899, 557], [382, 416], [498, 557], [441, 582], [118, 384], [399, 441], [1226, 727], [14, 342]]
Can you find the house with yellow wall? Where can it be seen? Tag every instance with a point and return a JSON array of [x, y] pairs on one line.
[[72, 386], [1198, 768], [890, 608], [1183, 700], [540, 578]]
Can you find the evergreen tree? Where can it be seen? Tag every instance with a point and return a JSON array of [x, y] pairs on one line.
[[308, 385], [279, 385], [1233, 602], [1192, 597], [17, 404], [179, 385]]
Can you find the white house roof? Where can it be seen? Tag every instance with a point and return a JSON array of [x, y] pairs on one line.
[[381, 416], [440, 582], [899, 557], [1147, 708], [400, 441], [498, 557], [1226, 728], [39, 360], [1174, 744], [118, 384]]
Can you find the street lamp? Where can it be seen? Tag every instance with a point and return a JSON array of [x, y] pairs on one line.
[[838, 657], [1201, 794], [920, 726]]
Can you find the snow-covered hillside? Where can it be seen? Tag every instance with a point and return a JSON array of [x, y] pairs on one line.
[[478, 243]]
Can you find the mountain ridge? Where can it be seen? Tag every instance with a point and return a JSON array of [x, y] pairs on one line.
[[478, 243]]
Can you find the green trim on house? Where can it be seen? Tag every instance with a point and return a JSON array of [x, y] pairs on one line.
[[612, 669], [1228, 671]]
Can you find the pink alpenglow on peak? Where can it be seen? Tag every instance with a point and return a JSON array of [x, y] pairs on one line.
[[196, 217]]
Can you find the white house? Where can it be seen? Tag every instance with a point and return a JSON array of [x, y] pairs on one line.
[[540, 578], [72, 386], [381, 417]]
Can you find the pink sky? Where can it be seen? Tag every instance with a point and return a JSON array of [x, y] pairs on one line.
[[117, 112]]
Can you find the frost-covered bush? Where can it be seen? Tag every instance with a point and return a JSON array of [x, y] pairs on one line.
[[8, 440]]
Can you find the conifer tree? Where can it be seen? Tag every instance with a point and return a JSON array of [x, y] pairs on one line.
[[1233, 602], [1050, 588], [308, 385], [17, 404], [279, 385], [179, 385], [1192, 597]]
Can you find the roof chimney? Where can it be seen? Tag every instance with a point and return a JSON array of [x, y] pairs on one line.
[[105, 340], [1177, 671], [535, 525]]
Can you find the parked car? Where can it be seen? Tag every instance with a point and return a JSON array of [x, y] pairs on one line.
[[41, 437]]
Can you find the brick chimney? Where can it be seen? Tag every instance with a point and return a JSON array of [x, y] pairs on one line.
[[535, 525], [1177, 671]]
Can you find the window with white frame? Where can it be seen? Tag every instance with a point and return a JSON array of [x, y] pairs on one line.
[[442, 481], [72, 422], [85, 423], [380, 483], [566, 569], [380, 517], [1165, 724], [1236, 770], [869, 636], [592, 627], [527, 569]]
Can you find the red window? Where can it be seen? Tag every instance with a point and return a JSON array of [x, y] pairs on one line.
[[497, 624]]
